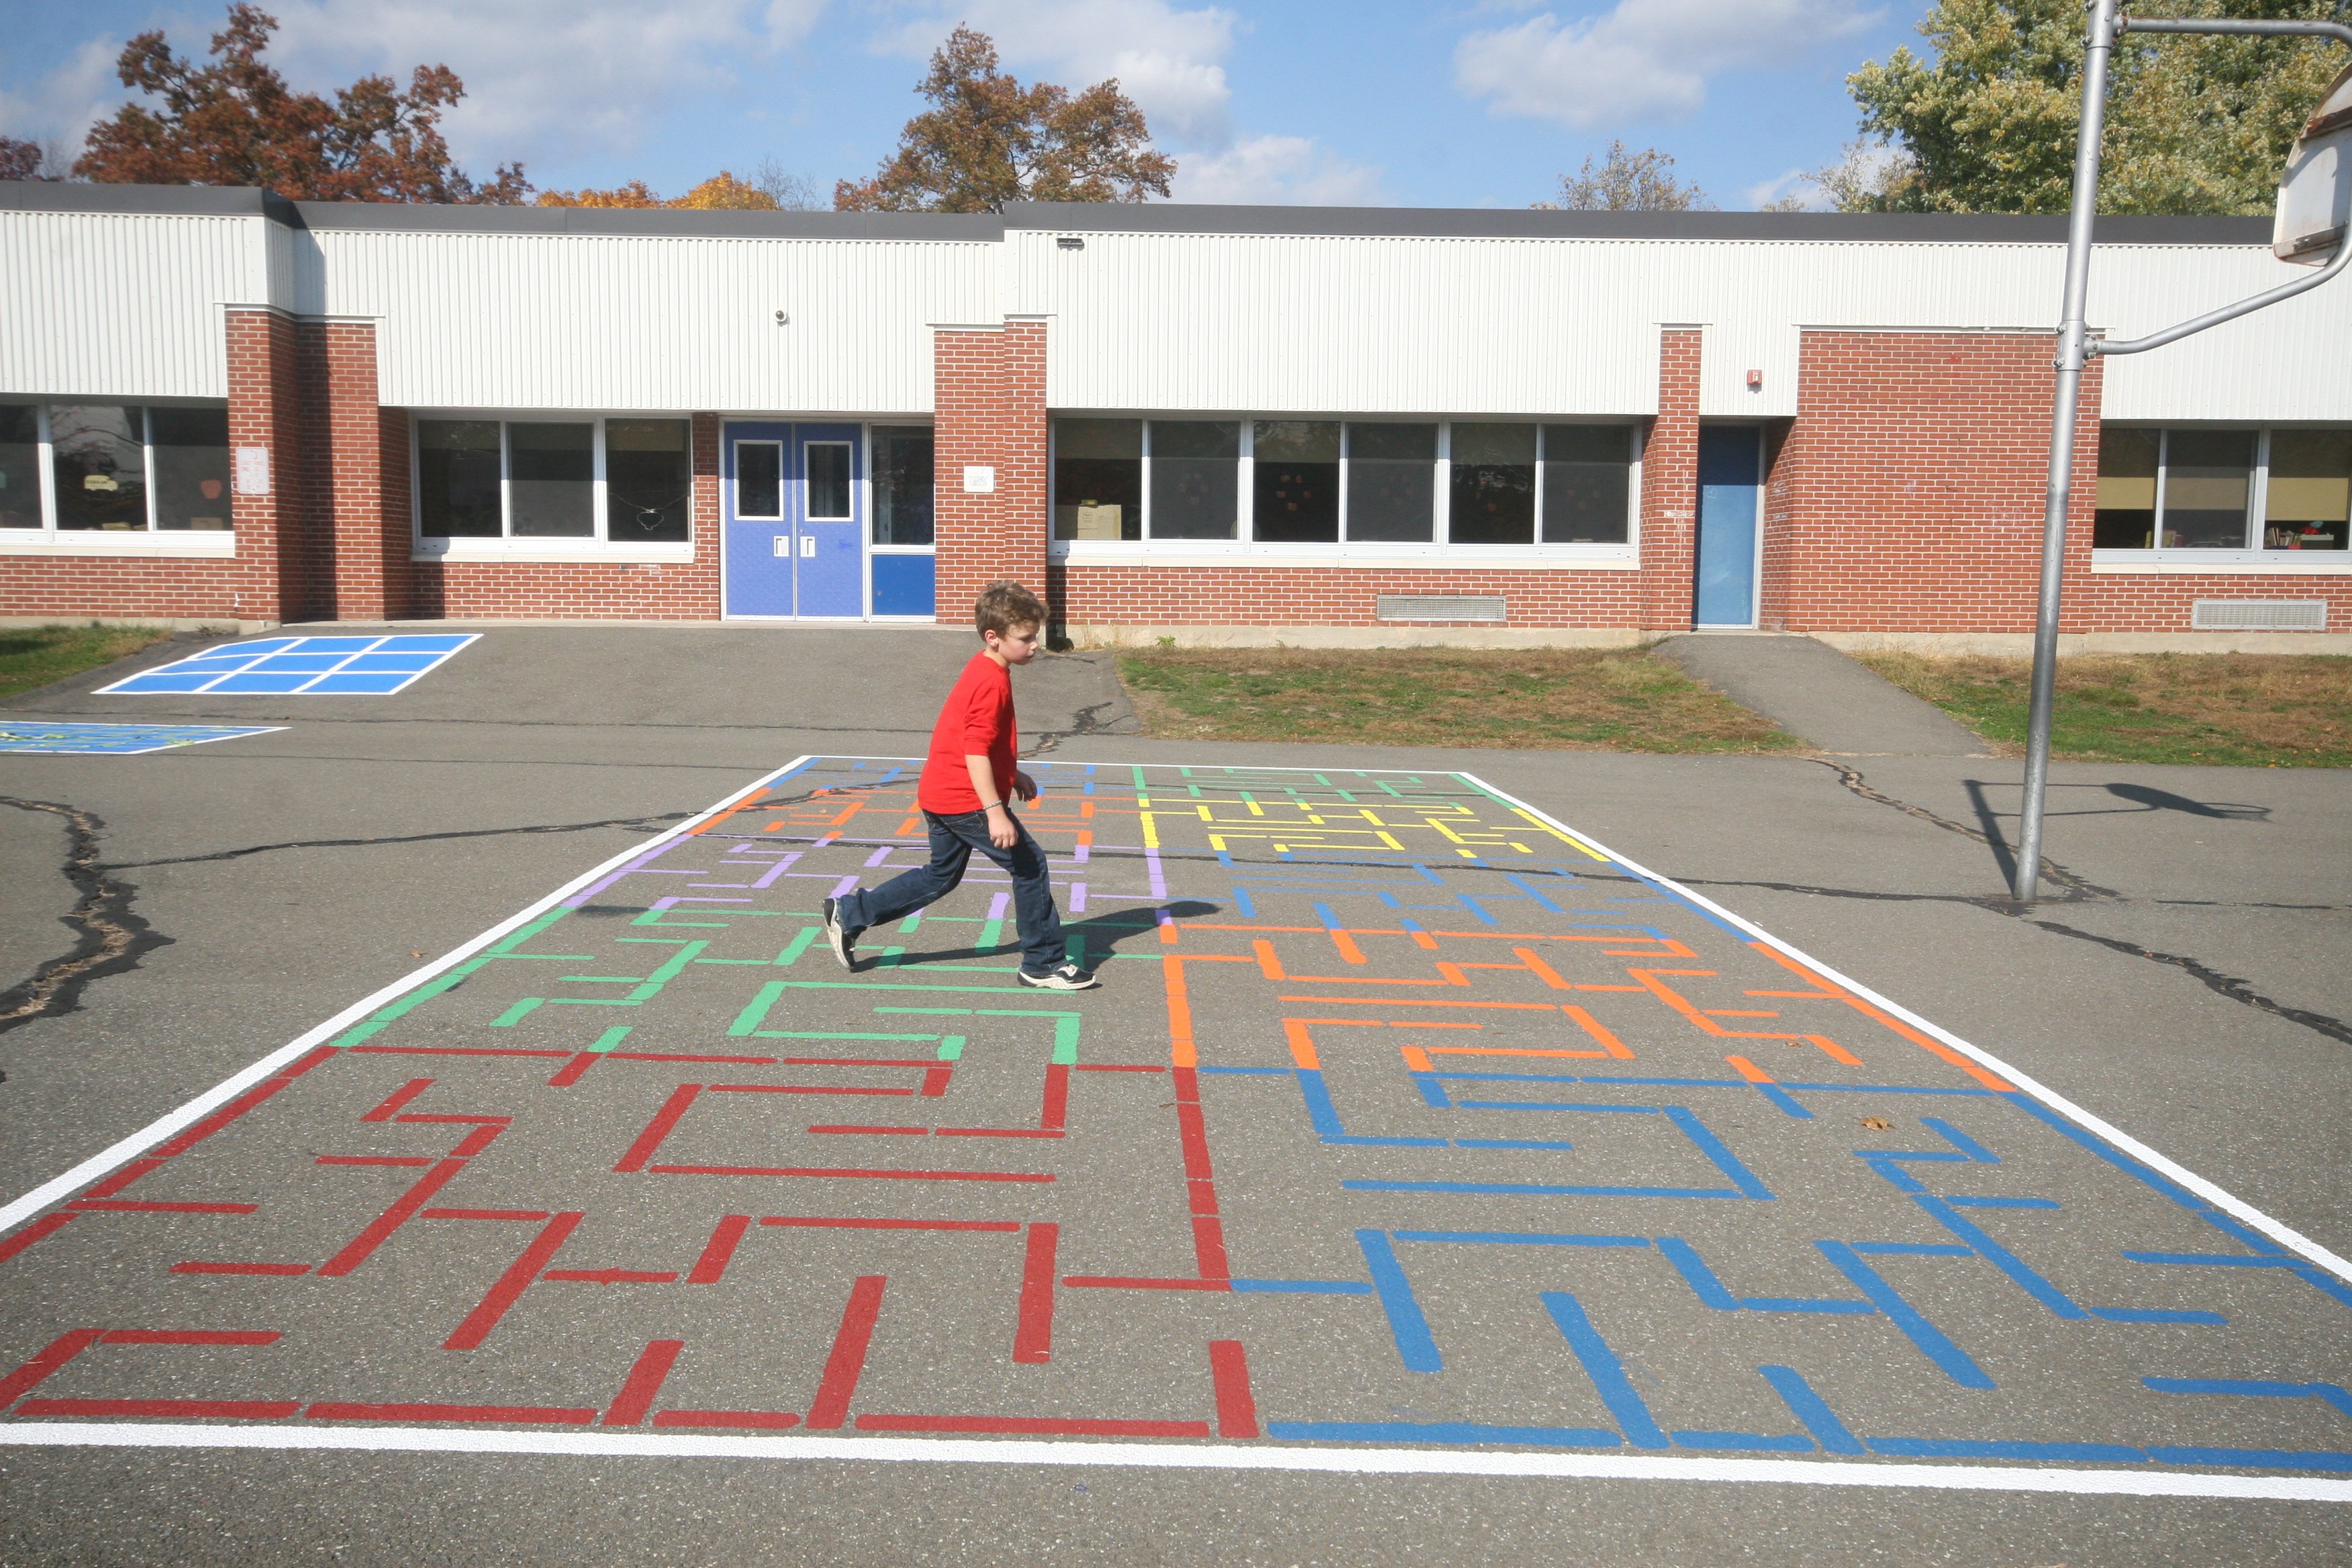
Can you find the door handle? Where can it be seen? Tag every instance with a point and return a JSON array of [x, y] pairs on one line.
[[808, 544]]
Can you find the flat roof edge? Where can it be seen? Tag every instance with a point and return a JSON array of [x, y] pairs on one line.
[[156, 201], [1527, 222], [662, 223]]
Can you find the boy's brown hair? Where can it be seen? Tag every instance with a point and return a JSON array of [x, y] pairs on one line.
[[1004, 605]]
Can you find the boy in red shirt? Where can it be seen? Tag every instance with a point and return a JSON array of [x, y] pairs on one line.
[[966, 792]]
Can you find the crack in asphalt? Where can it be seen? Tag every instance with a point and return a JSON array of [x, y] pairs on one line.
[[2213, 980], [1085, 721], [110, 937], [646, 822], [2079, 891], [2051, 869]]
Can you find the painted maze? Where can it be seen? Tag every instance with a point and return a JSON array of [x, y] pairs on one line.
[[1404, 1119]]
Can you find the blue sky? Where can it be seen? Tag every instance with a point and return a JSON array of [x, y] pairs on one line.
[[1483, 104]]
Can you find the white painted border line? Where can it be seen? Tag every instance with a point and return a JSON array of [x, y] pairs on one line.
[[2220, 1198], [1183, 1457], [229, 732], [1144, 1454], [164, 1127]]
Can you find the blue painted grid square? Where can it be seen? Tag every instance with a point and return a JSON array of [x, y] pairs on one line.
[[299, 667], [33, 735]]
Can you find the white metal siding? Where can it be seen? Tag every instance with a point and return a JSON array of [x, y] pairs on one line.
[[579, 321], [1333, 323], [2284, 363], [115, 305]]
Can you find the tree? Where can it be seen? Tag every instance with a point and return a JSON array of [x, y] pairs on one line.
[[721, 190], [27, 161], [989, 141], [235, 122], [2193, 124], [1628, 182]]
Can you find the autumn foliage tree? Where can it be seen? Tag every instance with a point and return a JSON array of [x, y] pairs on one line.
[[721, 191], [987, 141], [235, 122]]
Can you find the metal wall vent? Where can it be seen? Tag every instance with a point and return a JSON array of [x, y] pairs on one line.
[[1442, 608], [2260, 615]]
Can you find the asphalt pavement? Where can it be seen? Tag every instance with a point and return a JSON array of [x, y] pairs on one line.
[[2185, 985]]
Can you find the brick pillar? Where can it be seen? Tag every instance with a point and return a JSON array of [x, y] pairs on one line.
[[989, 397], [395, 517], [709, 541], [264, 411], [356, 564], [1670, 486]]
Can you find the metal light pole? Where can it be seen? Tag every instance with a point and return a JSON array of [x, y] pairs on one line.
[[2075, 347]]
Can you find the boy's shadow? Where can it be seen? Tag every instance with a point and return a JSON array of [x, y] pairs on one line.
[[1091, 939]]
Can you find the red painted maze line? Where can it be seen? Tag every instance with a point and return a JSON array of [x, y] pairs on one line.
[[846, 1363], [644, 1380], [469, 1335], [1033, 1338]]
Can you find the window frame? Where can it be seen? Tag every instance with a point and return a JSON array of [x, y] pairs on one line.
[[865, 483], [1440, 551], [49, 539], [506, 546], [2249, 557]]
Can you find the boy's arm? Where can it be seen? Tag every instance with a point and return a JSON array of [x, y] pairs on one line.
[[1001, 830]]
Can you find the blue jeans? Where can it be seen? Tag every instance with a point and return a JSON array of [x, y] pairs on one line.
[[953, 838]]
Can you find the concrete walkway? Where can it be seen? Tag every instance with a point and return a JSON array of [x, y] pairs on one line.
[[1812, 689]]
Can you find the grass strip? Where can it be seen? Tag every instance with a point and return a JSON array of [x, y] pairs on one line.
[[36, 655], [2239, 709], [1551, 699]]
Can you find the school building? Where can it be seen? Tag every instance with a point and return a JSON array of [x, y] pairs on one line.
[[1333, 426]]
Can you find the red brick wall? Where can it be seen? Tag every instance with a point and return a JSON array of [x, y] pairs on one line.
[[1908, 496], [262, 380], [356, 560], [1670, 486], [583, 590], [989, 397]]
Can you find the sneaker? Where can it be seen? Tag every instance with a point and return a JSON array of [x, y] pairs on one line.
[[845, 941], [1063, 977]]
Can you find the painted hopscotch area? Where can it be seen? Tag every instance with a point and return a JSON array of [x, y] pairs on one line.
[[1411, 1130]]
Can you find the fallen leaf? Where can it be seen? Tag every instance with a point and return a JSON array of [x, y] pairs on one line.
[[1878, 1124]]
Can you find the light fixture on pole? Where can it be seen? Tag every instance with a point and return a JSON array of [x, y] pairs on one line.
[[2313, 225]]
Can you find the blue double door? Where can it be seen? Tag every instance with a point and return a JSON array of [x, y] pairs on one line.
[[1730, 518], [793, 508]]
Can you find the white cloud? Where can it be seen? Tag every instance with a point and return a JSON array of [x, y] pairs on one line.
[[1644, 57], [541, 76], [1795, 181], [1170, 62], [1286, 170], [59, 110]]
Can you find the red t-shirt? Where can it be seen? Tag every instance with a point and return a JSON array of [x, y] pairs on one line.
[[975, 721]]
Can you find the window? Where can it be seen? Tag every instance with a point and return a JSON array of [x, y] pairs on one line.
[[1494, 499], [1393, 483], [115, 468], [1098, 478], [2308, 502], [626, 480], [1195, 471], [191, 448], [758, 479], [551, 481], [457, 479], [20, 466], [1429, 486], [648, 482], [2251, 491], [902, 484], [828, 480], [1587, 493]]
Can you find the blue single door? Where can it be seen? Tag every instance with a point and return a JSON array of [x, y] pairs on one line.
[[829, 516], [1730, 476], [755, 490]]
